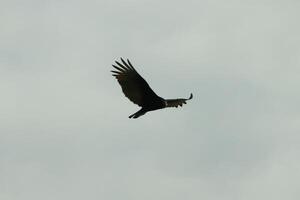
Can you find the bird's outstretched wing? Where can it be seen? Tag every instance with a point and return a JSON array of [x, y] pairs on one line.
[[177, 102], [135, 88]]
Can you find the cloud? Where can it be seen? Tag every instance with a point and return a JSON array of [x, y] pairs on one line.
[[65, 132]]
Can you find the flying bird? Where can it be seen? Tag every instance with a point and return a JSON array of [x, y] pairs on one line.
[[137, 90]]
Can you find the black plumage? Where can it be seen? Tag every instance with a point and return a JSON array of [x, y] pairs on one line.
[[137, 90]]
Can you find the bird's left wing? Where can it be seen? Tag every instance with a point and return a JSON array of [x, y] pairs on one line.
[[135, 88]]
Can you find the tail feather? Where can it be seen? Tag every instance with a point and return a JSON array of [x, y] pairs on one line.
[[137, 114]]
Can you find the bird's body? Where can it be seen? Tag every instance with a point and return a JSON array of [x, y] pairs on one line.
[[139, 92]]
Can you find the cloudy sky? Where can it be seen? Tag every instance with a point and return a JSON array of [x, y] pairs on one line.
[[64, 127]]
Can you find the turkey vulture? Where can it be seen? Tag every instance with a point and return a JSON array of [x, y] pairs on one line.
[[137, 90]]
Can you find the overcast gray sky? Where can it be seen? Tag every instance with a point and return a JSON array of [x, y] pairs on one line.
[[64, 127]]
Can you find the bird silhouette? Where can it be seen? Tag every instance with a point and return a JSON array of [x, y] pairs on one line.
[[137, 90]]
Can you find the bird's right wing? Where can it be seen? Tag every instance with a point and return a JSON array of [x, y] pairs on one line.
[[135, 88], [177, 102]]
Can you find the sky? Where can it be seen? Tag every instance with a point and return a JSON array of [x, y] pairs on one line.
[[64, 127]]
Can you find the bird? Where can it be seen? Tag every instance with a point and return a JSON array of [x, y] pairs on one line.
[[137, 90]]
